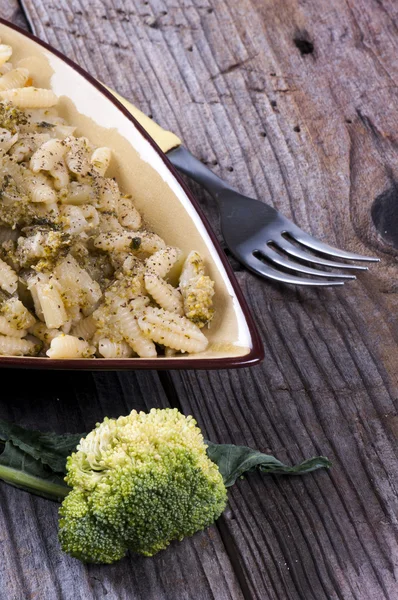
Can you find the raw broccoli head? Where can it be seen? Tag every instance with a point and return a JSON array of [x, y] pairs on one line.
[[139, 482]]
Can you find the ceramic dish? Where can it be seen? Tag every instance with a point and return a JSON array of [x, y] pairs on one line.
[[160, 195]]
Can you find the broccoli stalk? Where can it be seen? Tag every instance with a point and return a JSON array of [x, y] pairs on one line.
[[37, 485]]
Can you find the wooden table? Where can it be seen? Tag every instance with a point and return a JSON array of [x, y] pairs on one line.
[[295, 102]]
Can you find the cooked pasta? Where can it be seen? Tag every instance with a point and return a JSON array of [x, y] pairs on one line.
[[43, 333], [8, 278], [15, 78], [6, 328], [68, 346], [12, 346], [128, 326], [163, 293], [81, 273], [172, 331], [5, 53], [29, 97], [7, 139], [128, 215], [100, 160], [109, 349], [162, 261], [51, 304], [17, 314], [47, 156], [85, 328]]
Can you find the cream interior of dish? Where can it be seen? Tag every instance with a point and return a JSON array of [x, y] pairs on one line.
[[140, 171]]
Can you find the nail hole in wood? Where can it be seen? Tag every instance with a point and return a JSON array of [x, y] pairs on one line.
[[297, 129], [190, 48], [230, 169], [273, 103], [304, 45]]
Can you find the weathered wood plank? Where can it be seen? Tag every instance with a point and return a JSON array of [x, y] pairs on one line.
[[12, 11], [332, 535], [294, 103]]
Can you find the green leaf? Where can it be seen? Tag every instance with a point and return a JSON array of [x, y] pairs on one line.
[[49, 448], [25, 472], [234, 461], [36, 461]]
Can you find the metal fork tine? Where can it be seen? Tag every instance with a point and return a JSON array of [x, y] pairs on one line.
[[254, 264], [292, 250], [314, 244], [294, 266]]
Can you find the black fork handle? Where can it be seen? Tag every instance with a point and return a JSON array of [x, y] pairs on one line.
[[185, 162]]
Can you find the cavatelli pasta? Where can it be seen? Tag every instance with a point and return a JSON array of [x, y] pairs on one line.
[[78, 288], [27, 143], [69, 346], [6, 328], [60, 175], [162, 261], [108, 195], [100, 160], [77, 155], [128, 215], [163, 293], [109, 349], [15, 78], [5, 67], [5, 53], [74, 244], [51, 305], [113, 241], [40, 190], [43, 333], [85, 328], [172, 331], [12, 346], [8, 278], [78, 193], [150, 242], [47, 156], [128, 326], [7, 139], [17, 314], [29, 97]]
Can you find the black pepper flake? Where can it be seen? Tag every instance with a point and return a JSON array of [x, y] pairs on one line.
[[135, 243]]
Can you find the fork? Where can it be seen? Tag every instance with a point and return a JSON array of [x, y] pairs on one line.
[[262, 239], [259, 236]]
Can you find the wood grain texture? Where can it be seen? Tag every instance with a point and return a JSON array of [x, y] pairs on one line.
[[294, 102]]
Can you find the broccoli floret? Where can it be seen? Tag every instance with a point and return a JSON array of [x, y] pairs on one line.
[[139, 482], [84, 536]]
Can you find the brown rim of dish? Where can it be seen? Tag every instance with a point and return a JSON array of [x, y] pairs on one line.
[[256, 353]]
